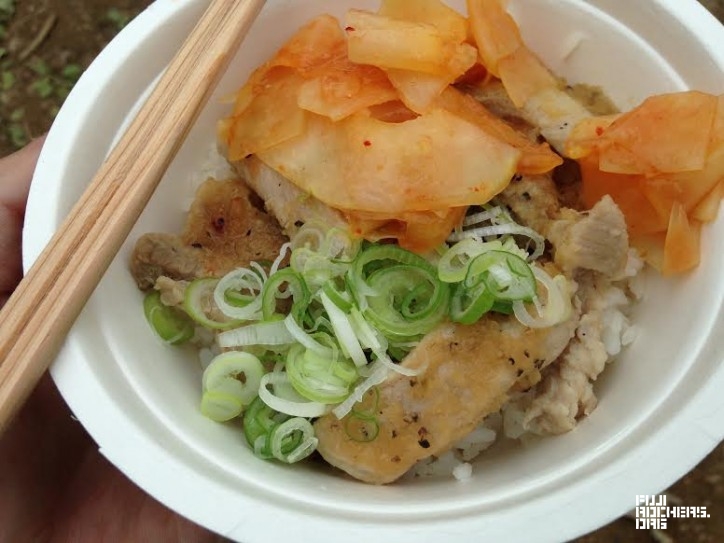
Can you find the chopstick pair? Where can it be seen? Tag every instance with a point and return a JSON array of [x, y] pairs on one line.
[[40, 313]]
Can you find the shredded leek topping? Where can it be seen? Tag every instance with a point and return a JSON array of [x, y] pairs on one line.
[[494, 223], [170, 324], [320, 334], [199, 304], [230, 382]]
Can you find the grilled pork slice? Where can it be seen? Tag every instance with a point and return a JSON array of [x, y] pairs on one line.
[[466, 374], [226, 228], [566, 392], [533, 200], [552, 113], [596, 240], [496, 100], [291, 206], [155, 255]]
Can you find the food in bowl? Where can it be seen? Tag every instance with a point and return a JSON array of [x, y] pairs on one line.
[[382, 355]]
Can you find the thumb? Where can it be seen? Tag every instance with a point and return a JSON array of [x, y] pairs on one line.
[[16, 171]]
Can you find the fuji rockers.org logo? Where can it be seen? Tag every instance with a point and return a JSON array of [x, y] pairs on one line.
[[652, 512]]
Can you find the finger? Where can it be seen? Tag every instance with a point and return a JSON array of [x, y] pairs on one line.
[[40, 453], [11, 269], [103, 505], [16, 172]]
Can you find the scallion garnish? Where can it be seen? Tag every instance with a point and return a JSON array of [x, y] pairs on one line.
[[557, 307], [494, 278], [398, 291], [220, 406], [246, 282], [292, 440], [361, 428], [320, 378], [232, 378], [199, 304], [170, 324], [336, 322]]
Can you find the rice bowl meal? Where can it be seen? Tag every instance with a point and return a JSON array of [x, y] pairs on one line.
[[434, 247], [405, 266]]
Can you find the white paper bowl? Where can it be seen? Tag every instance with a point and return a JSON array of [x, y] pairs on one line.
[[660, 406]]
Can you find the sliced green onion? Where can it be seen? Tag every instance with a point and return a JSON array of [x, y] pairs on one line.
[[320, 253], [507, 276], [262, 447], [199, 304], [367, 406], [283, 250], [398, 352], [332, 243], [453, 264], [273, 333], [378, 374], [494, 280], [340, 246], [283, 388], [316, 320], [259, 421], [319, 378], [469, 304], [506, 308], [315, 268], [296, 287], [483, 216], [383, 255], [557, 308], [410, 302], [398, 291], [340, 298], [310, 236], [306, 339], [300, 408], [361, 428], [502, 226], [502, 230], [238, 299], [293, 440], [220, 406], [235, 373], [247, 282], [344, 332], [170, 324], [398, 368], [369, 337], [510, 246]]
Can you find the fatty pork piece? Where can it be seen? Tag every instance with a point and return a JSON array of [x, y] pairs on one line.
[[291, 206], [466, 374], [592, 240], [226, 227], [592, 247], [595, 240], [565, 394], [553, 112]]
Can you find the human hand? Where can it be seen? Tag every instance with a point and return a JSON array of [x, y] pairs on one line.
[[54, 484], [16, 172]]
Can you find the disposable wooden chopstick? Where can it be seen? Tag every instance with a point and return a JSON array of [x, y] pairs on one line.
[[41, 312]]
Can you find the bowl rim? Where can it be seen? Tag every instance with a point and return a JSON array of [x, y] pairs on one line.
[[149, 463]]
